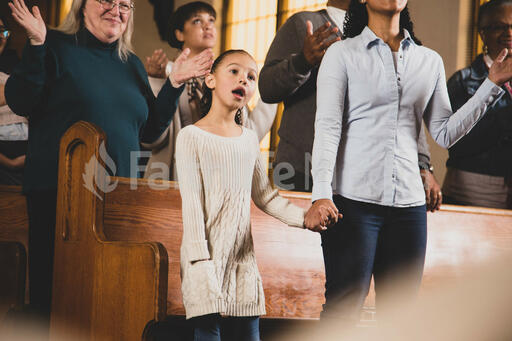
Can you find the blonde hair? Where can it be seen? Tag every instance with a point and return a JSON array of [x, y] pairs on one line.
[[75, 20]]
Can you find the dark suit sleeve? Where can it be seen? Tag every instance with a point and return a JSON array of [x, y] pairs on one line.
[[285, 69]]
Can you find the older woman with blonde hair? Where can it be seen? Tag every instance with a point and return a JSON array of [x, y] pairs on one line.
[[84, 70]]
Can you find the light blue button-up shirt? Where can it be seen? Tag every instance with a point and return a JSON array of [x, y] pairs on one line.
[[369, 117]]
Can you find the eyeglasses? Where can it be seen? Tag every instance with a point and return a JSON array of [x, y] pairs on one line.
[[4, 33], [110, 4], [497, 28]]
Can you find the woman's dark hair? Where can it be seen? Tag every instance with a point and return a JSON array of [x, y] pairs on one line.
[[356, 20], [488, 8], [181, 15], [206, 100]]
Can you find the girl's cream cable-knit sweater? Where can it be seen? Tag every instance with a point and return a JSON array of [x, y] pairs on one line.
[[218, 176]]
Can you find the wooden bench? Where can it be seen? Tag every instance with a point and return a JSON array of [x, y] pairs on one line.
[[13, 260], [13, 246], [117, 253]]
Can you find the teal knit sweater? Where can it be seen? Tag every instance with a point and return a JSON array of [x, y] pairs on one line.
[[77, 77]]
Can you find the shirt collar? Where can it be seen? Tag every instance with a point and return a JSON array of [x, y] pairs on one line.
[[369, 38], [337, 15]]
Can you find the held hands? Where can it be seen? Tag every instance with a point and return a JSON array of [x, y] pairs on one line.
[[156, 64], [322, 213], [316, 42], [501, 70], [33, 23], [185, 68], [433, 194]]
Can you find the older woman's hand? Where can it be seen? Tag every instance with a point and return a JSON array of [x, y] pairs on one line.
[[33, 23], [185, 68]]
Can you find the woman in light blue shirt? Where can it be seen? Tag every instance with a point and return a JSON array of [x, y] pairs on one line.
[[374, 89]]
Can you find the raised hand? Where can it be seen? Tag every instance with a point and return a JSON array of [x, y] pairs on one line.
[[501, 70], [322, 213], [185, 68], [156, 64], [33, 23], [316, 42]]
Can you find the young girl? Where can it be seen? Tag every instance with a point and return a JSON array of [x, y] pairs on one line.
[[219, 170], [374, 88], [192, 27]]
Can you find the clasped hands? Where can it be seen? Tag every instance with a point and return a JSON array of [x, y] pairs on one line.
[[322, 214]]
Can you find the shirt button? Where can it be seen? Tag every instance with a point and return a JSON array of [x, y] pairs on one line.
[[491, 99], [400, 56], [398, 78]]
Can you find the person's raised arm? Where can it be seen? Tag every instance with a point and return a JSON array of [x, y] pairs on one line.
[[29, 77], [294, 52], [447, 127], [162, 109], [156, 64]]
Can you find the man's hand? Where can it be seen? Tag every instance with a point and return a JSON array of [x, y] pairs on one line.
[[433, 194], [321, 214], [156, 64], [316, 42]]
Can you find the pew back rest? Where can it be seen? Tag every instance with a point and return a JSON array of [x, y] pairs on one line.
[[290, 259]]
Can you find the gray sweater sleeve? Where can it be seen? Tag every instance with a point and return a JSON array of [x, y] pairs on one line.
[[286, 68]]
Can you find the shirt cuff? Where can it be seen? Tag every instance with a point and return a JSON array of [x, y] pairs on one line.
[[168, 69], [489, 92], [321, 190], [298, 217], [197, 250]]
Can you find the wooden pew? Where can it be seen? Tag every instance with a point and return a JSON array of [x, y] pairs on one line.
[[13, 246], [13, 260], [104, 288]]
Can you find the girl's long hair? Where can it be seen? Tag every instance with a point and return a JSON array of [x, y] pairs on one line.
[[356, 20], [206, 100]]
